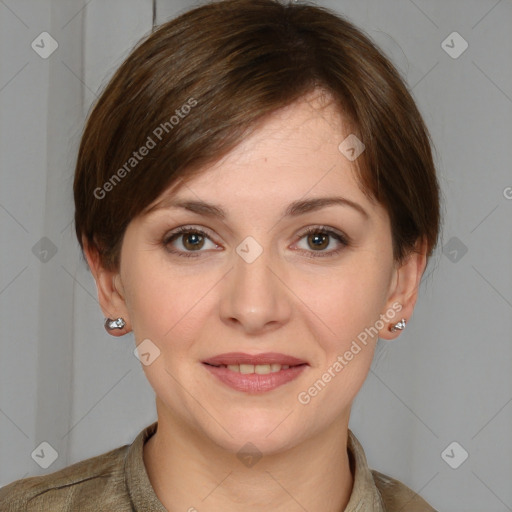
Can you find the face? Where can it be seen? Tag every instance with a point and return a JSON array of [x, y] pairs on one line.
[[261, 279]]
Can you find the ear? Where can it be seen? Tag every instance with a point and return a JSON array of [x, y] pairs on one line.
[[404, 288], [111, 294]]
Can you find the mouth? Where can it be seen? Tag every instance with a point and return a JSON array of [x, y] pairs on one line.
[[255, 373], [260, 369], [268, 362]]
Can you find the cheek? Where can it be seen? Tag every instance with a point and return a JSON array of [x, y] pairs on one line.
[[348, 311], [148, 300], [164, 301], [348, 305], [353, 299]]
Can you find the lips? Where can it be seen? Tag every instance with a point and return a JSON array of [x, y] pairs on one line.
[[255, 373], [237, 358]]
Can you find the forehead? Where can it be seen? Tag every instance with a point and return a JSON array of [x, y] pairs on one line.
[[292, 154], [300, 130], [288, 170], [289, 165]]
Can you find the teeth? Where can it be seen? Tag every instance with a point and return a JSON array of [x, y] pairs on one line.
[[246, 368], [260, 369]]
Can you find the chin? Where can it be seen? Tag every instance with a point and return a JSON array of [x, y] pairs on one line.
[[266, 433]]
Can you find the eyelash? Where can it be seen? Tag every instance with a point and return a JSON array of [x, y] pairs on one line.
[[170, 237]]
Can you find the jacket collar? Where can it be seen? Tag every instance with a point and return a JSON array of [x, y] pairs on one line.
[[364, 497]]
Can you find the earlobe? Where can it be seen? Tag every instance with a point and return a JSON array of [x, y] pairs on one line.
[[110, 293], [404, 291]]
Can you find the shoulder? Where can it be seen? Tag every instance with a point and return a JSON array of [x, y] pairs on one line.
[[96, 483], [397, 496]]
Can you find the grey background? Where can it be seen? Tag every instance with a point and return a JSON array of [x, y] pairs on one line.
[[447, 378]]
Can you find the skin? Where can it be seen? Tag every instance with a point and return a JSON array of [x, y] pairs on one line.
[[284, 301]]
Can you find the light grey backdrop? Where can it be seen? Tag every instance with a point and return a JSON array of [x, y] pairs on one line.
[[447, 379]]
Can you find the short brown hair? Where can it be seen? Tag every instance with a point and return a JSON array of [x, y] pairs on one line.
[[208, 77]]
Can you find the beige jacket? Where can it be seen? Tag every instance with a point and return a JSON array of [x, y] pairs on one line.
[[116, 481]]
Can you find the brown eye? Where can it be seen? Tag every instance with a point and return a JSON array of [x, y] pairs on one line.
[[318, 240], [187, 241], [192, 241]]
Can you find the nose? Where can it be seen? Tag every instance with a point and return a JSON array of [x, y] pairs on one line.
[[254, 297]]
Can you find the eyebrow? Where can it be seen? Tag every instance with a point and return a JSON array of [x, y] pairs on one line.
[[294, 209]]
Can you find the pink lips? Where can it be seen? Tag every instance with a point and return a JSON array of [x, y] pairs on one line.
[[265, 358], [253, 382]]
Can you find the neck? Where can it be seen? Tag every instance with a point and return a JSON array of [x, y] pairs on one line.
[[191, 473]]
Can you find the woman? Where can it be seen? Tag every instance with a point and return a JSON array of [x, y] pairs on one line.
[[256, 199]]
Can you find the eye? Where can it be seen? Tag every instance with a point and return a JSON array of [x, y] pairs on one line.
[[191, 239], [319, 238]]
